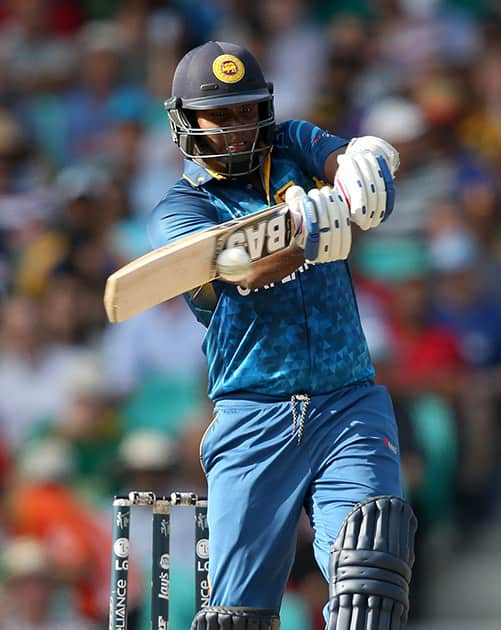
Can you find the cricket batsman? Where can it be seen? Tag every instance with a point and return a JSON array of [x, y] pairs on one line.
[[298, 421]]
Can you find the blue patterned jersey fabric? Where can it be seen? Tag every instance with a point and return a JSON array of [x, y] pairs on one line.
[[300, 335]]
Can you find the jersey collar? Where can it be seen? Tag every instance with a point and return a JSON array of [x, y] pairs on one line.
[[197, 174]]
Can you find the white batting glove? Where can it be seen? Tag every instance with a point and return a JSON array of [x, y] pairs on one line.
[[377, 146], [323, 225], [365, 180]]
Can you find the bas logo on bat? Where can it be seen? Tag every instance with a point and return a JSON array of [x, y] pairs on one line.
[[263, 238], [190, 261]]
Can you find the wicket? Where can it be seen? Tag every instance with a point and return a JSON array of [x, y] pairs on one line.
[[160, 579]]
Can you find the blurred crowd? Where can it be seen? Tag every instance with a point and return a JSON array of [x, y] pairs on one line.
[[89, 410]]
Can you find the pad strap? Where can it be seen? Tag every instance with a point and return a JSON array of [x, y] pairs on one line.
[[371, 566], [235, 618]]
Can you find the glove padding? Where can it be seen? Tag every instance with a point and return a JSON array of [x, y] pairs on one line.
[[365, 180], [377, 146], [323, 225]]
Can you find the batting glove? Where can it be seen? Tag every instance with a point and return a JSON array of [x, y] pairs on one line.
[[323, 225], [377, 146], [364, 178]]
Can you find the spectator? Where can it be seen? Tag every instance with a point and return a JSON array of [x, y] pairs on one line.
[[460, 303], [421, 181], [33, 597], [29, 369], [160, 388], [42, 506], [25, 201], [294, 46], [474, 315], [91, 428], [92, 106]]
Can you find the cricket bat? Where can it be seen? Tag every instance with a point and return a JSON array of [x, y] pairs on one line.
[[190, 262]]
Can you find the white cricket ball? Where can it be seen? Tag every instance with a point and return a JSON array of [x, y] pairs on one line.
[[233, 264]]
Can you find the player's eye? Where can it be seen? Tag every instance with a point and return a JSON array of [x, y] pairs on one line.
[[220, 114], [247, 111]]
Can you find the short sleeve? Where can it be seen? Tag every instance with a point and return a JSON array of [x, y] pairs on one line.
[[310, 145], [184, 210]]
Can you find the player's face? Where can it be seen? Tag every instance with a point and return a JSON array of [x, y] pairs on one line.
[[233, 116]]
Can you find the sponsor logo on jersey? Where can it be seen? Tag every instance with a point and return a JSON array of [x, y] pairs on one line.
[[228, 68], [304, 267]]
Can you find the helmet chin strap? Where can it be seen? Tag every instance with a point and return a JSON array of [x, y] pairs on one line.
[[234, 167]]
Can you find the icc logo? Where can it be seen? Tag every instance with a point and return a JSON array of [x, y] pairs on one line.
[[203, 548], [121, 547], [164, 561]]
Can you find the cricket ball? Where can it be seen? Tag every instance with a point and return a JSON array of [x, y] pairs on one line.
[[233, 264]]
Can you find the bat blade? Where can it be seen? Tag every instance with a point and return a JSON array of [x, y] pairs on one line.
[[189, 262]]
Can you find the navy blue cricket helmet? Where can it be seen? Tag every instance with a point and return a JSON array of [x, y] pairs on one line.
[[217, 75]]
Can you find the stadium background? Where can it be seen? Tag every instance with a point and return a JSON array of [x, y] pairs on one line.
[[88, 409]]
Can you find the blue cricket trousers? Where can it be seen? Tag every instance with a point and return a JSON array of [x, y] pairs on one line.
[[262, 467]]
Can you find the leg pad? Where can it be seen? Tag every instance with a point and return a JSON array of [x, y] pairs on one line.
[[371, 566], [235, 618]]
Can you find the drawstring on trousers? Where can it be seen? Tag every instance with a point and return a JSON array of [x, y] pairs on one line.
[[295, 399]]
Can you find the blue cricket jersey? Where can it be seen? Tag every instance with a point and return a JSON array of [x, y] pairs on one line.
[[300, 335]]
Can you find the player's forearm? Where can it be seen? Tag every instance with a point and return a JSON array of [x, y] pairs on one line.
[[330, 166], [273, 268]]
